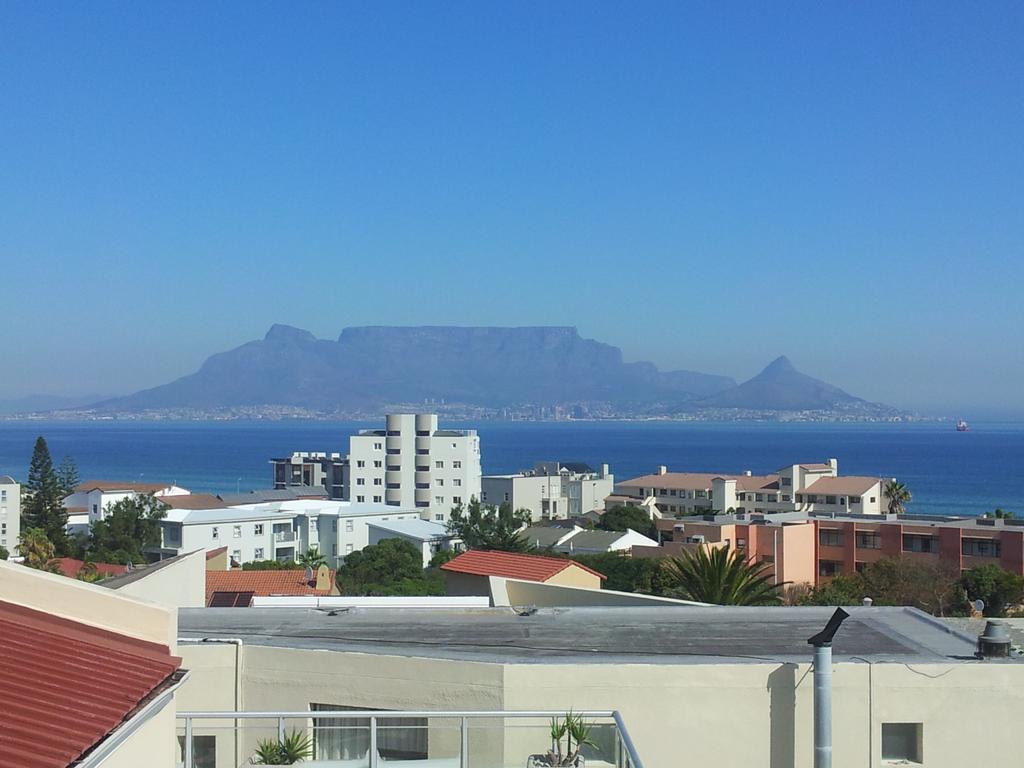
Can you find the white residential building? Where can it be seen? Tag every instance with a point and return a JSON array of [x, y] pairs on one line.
[[10, 513], [552, 490], [412, 463], [580, 541], [426, 535], [91, 499], [276, 530], [813, 487]]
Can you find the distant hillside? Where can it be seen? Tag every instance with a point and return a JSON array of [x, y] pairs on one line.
[[781, 387], [38, 403], [368, 367]]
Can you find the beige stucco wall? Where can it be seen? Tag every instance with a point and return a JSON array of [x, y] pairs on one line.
[[740, 714], [574, 576], [180, 584], [87, 603]]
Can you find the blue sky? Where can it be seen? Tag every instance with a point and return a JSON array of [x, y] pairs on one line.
[[705, 186]]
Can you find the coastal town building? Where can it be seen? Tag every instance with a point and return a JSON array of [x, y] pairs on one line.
[[426, 535], [814, 487], [91, 499], [469, 572], [10, 513], [814, 547], [551, 490], [236, 588], [409, 463], [581, 541], [277, 530]]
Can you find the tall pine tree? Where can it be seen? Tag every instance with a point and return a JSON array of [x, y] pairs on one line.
[[67, 476], [43, 508]]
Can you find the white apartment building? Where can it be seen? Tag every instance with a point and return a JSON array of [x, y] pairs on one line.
[[276, 530], [310, 469], [414, 464], [552, 490], [813, 487], [426, 535], [91, 499], [10, 513]]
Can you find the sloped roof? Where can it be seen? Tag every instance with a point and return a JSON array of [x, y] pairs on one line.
[[120, 485], [67, 685], [263, 583], [511, 565], [545, 536], [193, 501], [424, 530], [70, 567], [7, 480]]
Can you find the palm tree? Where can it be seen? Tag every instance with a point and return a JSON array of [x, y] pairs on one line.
[[35, 547], [898, 495], [312, 559], [724, 577]]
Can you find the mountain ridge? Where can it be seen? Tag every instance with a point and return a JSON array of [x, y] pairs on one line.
[[370, 367]]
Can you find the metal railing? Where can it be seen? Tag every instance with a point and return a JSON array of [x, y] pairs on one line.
[[444, 736], [284, 536]]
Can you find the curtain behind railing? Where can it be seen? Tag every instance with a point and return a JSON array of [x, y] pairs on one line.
[[348, 738]]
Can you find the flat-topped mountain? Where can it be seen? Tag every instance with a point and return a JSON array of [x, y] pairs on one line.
[[373, 366], [781, 387]]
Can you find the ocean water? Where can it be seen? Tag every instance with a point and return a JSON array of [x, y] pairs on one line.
[[947, 472]]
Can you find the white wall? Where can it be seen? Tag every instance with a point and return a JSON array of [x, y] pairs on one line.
[[181, 584], [10, 516]]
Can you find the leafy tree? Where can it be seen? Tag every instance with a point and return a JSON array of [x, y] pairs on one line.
[[723, 577], [390, 567], [842, 590], [312, 558], [271, 565], [646, 575], [932, 587], [998, 588], [36, 548], [130, 526], [4, 553], [489, 527], [43, 507], [898, 495], [999, 514], [441, 557], [67, 476], [625, 517]]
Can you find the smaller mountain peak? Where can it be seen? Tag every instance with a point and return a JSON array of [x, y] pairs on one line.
[[281, 332], [780, 364]]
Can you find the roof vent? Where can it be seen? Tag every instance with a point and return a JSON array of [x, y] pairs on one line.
[[994, 642]]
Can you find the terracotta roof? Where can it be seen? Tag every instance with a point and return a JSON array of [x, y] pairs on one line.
[[119, 485], [70, 567], [193, 501], [816, 467], [849, 485], [67, 685], [480, 562], [699, 481], [262, 583]]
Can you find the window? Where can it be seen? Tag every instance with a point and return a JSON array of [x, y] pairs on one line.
[[799, 498], [773, 497], [438, 465], [377, 446], [348, 549], [830, 538], [456, 465], [204, 748], [439, 500], [360, 481], [376, 499], [360, 464], [3, 495], [257, 554], [787, 482], [378, 481], [456, 499], [829, 568], [377, 464], [506, 497], [334, 525], [257, 529], [215, 532], [914, 543], [786, 497], [672, 492], [439, 517], [868, 540], [812, 498], [902, 742], [236, 532], [855, 499], [348, 738], [95, 509], [830, 499], [349, 526], [440, 482], [872, 499], [360, 499], [741, 543], [758, 497], [981, 547], [457, 482], [236, 555]]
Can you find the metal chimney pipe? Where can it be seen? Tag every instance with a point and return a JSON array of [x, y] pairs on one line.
[[822, 643]]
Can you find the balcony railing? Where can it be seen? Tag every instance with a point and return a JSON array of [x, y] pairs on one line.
[[280, 536], [342, 738]]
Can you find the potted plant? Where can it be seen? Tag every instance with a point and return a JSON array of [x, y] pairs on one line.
[[575, 732], [293, 748]]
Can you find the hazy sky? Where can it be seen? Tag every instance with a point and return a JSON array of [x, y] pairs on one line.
[[705, 185]]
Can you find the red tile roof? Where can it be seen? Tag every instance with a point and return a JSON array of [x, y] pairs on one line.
[[193, 501], [480, 562], [263, 583], [848, 485], [70, 567], [119, 485], [67, 685]]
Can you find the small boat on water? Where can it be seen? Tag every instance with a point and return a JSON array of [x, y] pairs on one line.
[[961, 426]]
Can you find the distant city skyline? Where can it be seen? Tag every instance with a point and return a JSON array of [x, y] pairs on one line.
[[705, 187]]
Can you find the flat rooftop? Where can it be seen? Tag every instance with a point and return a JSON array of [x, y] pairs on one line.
[[662, 635]]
